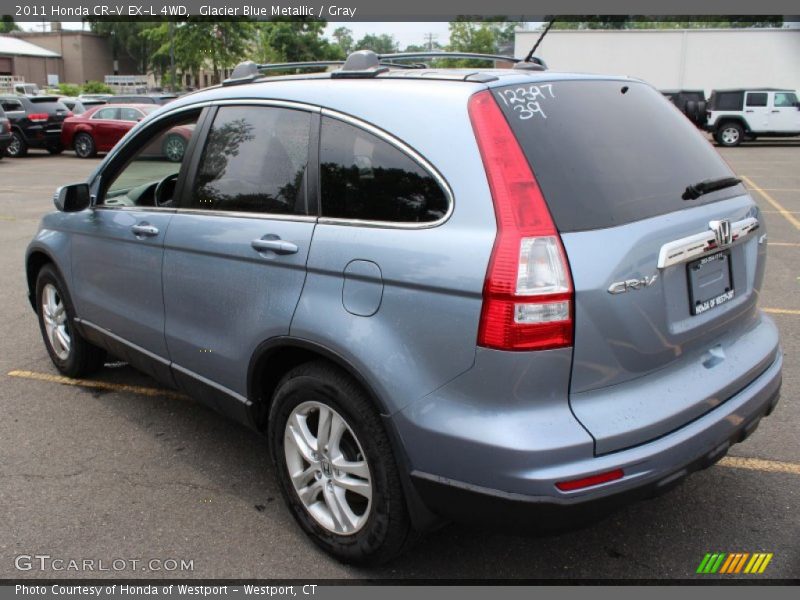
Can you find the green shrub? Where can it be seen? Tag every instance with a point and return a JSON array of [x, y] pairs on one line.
[[67, 89], [96, 87]]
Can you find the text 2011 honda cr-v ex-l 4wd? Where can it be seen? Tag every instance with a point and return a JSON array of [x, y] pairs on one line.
[[437, 291]]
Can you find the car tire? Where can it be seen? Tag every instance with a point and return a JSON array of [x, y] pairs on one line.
[[370, 528], [55, 150], [84, 146], [17, 148], [174, 148], [729, 134], [70, 352]]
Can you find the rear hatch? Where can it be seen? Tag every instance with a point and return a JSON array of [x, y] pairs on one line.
[[56, 111], [665, 312]]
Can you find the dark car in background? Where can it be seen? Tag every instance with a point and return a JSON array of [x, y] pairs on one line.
[[35, 123], [691, 103], [77, 106], [142, 99], [5, 132]]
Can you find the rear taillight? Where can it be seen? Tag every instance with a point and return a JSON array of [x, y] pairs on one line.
[[527, 296], [38, 117]]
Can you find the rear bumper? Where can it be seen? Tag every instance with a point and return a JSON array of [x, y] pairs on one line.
[[527, 492], [43, 136]]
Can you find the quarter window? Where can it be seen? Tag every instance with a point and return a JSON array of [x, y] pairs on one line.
[[783, 99], [12, 105], [254, 160], [366, 178], [757, 99]]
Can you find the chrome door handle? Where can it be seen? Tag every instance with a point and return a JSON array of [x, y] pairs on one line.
[[275, 244], [144, 229]]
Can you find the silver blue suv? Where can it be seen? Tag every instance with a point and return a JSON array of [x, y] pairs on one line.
[[441, 293]]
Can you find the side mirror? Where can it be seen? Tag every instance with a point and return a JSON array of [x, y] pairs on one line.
[[72, 198]]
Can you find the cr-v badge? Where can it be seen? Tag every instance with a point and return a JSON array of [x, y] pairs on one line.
[[620, 287]]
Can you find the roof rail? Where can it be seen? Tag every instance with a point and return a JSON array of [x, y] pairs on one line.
[[366, 63]]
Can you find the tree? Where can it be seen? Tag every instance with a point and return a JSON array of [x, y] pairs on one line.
[[665, 22], [282, 40], [482, 37], [380, 44], [200, 41], [127, 39], [344, 39], [424, 47], [7, 24]]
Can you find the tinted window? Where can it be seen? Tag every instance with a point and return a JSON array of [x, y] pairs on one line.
[[130, 114], [254, 161], [629, 158], [757, 99], [727, 100], [12, 105], [363, 177], [785, 99], [106, 113]]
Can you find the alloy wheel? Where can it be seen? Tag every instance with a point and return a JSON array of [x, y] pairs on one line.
[[54, 313], [328, 468]]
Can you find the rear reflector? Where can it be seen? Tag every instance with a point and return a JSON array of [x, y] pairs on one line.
[[585, 482], [527, 295]]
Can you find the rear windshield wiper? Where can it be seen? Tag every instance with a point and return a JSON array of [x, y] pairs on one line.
[[694, 191]]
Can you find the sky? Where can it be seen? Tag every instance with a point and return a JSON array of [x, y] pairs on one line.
[[406, 33]]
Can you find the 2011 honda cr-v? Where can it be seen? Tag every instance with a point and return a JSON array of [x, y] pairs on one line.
[[439, 292]]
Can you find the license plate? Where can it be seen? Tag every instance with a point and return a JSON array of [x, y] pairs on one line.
[[710, 282]]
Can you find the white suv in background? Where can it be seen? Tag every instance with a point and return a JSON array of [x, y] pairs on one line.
[[745, 114]]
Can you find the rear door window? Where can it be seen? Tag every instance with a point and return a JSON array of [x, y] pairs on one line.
[[254, 160], [756, 99], [365, 178], [606, 153], [109, 114]]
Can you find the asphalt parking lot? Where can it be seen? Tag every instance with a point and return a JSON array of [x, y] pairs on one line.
[[112, 469]]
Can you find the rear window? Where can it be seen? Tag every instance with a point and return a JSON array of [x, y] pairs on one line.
[[46, 104], [606, 153]]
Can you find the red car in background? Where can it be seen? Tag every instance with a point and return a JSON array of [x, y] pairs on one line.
[[101, 127]]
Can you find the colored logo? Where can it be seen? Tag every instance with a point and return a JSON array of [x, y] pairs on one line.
[[734, 563]]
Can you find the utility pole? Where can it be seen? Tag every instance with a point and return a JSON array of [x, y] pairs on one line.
[[430, 37]]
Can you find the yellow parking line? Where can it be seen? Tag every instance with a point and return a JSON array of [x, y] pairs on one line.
[[735, 462], [785, 213], [102, 385], [758, 464], [781, 311]]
